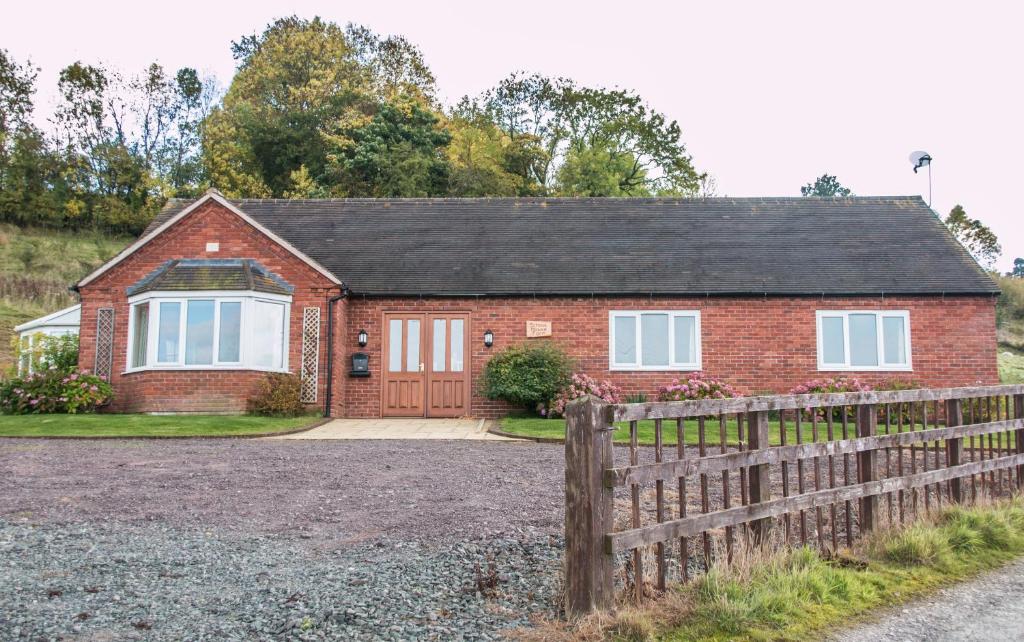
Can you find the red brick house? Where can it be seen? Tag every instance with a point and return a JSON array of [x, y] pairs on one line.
[[764, 293]]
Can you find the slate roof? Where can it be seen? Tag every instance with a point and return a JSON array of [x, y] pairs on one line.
[[211, 274], [547, 246]]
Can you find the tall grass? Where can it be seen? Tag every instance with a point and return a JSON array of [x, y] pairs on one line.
[[799, 594]]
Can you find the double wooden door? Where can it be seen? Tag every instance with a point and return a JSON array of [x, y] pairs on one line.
[[426, 365]]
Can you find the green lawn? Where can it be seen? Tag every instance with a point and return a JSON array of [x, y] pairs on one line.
[[1011, 366], [111, 425], [555, 429]]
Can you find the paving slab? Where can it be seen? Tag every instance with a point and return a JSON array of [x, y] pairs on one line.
[[399, 428]]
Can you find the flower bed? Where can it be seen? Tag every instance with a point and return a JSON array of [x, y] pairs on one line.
[[53, 390]]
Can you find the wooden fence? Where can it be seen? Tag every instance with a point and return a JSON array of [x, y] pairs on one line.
[[795, 469]]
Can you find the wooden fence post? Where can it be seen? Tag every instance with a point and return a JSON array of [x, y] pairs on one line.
[[589, 506], [758, 478], [955, 447], [867, 466], [1018, 413]]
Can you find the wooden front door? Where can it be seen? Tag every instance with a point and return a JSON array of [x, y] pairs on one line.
[[404, 392], [426, 365], [448, 365]]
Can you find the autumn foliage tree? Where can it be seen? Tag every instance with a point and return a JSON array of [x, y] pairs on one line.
[[825, 185], [316, 110], [975, 236]]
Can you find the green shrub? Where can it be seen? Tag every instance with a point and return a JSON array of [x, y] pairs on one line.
[[279, 395], [527, 375], [896, 411], [696, 385], [60, 351], [583, 385], [52, 390], [831, 385]]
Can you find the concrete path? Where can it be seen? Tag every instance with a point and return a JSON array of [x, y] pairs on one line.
[[400, 428], [986, 609]]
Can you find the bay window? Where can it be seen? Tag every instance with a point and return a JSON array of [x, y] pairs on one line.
[[196, 330], [863, 340], [654, 340]]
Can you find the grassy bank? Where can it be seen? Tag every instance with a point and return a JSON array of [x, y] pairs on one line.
[[37, 267], [798, 595], [111, 425], [1011, 366]]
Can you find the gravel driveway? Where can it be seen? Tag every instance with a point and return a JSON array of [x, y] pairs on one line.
[[244, 539], [987, 609]]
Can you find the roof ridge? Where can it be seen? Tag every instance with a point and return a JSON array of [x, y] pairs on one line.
[[580, 199]]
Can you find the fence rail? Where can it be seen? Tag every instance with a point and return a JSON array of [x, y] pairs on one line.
[[912, 448]]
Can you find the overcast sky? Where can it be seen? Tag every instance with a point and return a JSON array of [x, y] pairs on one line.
[[769, 95]]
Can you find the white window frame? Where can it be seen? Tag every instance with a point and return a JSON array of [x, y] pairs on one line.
[[246, 298], [880, 341], [28, 343], [673, 364]]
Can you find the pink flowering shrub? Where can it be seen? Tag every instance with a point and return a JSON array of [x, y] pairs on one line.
[[831, 384], [54, 391], [697, 385], [582, 385]]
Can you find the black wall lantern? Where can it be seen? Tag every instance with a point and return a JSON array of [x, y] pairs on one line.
[[362, 338], [488, 338]]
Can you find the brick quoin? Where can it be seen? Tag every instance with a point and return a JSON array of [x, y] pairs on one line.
[[758, 344]]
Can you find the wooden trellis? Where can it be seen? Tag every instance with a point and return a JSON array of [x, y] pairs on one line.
[[310, 354], [104, 361]]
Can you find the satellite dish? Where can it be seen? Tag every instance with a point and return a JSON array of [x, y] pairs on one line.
[[920, 159]]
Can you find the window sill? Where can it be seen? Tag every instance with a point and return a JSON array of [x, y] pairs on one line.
[[695, 368], [866, 369], [231, 368]]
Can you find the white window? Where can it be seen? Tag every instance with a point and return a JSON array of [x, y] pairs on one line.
[[654, 340], [863, 340], [197, 330]]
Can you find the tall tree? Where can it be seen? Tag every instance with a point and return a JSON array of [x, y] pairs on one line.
[[28, 168], [484, 160], [17, 85], [394, 66], [400, 151], [1018, 268], [109, 184], [608, 142], [825, 185], [975, 236], [300, 84], [292, 80]]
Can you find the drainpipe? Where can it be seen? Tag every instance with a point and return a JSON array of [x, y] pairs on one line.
[[330, 347]]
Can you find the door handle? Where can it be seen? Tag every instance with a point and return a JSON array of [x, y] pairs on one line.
[[421, 368]]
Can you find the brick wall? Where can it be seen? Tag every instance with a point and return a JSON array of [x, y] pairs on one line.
[[756, 344], [198, 390]]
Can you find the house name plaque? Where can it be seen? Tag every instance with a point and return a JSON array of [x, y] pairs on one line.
[[535, 329]]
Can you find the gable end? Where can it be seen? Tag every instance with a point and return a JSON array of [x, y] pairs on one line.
[[214, 196]]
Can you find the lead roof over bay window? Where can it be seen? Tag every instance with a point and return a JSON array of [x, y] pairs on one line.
[[177, 275]]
